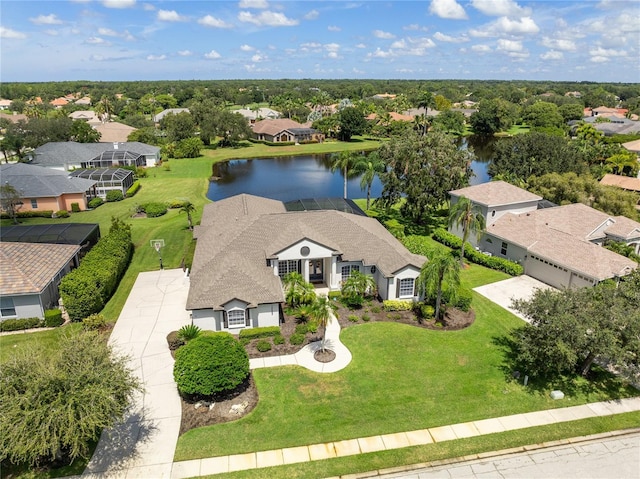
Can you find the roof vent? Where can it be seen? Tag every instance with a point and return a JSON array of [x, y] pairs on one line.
[[115, 145]]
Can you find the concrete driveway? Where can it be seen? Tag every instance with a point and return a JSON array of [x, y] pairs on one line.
[[504, 292]]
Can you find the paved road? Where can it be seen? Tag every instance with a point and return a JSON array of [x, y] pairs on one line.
[[615, 457]]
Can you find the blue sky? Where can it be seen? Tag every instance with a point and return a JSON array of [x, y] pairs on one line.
[[584, 40]]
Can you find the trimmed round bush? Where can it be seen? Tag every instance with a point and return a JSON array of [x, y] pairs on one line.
[[263, 346], [296, 339], [114, 195], [53, 318], [154, 209], [278, 339], [95, 202], [61, 214], [210, 364]]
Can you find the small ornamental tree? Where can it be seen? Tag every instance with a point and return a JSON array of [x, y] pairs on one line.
[[210, 364]]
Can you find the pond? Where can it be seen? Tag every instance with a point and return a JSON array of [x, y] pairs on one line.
[[306, 176]]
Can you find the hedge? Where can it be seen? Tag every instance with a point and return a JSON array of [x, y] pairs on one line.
[[397, 305], [114, 195], [87, 289], [75, 207], [418, 245], [61, 214], [95, 202], [264, 332], [154, 209], [30, 214], [133, 189], [493, 262], [53, 318], [19, 324]]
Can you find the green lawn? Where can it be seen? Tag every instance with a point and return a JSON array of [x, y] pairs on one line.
[[401, 378]]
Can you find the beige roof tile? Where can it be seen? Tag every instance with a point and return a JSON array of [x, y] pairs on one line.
[[624, 182], [272, 127], [495, 193]]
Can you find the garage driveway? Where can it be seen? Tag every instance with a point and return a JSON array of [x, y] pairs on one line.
[[504, 292]]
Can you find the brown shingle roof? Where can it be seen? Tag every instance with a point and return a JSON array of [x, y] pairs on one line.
[[114, 131], [273, 127], [237, 236], [30, 267], [624, 182], [496, 193]]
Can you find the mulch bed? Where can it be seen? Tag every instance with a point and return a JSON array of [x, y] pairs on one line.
[[246, 397]]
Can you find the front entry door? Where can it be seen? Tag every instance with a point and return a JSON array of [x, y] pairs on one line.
[[315, 271]]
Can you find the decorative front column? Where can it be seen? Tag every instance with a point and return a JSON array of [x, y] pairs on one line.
[[305, 269]]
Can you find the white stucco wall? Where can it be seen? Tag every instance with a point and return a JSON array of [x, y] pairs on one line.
[[391, 289], [315, 251], [27, 306], [261, 316]]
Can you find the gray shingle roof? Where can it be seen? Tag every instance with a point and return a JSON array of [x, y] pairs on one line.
[[237, 236], [33, 181], [61, 153]]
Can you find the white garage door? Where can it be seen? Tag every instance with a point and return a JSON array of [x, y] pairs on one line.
[[547, 272]]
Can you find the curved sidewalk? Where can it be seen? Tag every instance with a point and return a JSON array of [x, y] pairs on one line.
[[305, 357]]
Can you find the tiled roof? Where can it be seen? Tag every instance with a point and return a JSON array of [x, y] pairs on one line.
[[273, 127], [237, 236], [169, 111], [114, 131], [29, 267], [496, 193], [33, 181], [624, 182], [632, 145]]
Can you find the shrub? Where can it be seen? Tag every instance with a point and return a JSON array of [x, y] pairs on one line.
[[296, 339], [263, 346], [95, 202], [424, 311], [312, 327], [114, 195], [61, 214], [29, 214], [264, 332], [353, 302], [174, 341], [397, 305], [418, 244], [141, 172], [375, 309], [133, 189], [333, 295], [75, 207], [366, 317], [462, 300], [154, 209], [353, 318], [188, 332], [53, 318], [19, 324], [94, 322], [175, 204], [278, 339], [210, 364], [302, 328]]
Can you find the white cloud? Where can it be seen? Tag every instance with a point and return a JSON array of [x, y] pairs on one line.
[[212, 55], [332, 47], [148, 7], [312, 15], [107, 32], [95, 41], [257, 58], [399, 44], [380, 53], [8, 33], [50, 19], [119, 3], [447, 9], [552, 55], [156, 58], [559, 44], [268, 18], [185, 53], [210, 21], [509, 45], [358, 72], [414, 27], [361, 45], [481, 48], [599, 59], [170, 16], [53, 33], [334, 28], [332, 55], [310, 46], [523, 25], [258, 4], [384, 35], [607, 52], [448, 38], [246, 48], [498, 8]]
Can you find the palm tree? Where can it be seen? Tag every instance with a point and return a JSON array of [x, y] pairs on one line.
[[104, 109], [358, 284], [369, 166], [441, 268], [464, 213], [344, 161], [297, 290], [426, 101], [322, 312], [188, 208]]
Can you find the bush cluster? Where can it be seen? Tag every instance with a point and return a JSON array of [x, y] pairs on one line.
[[95, 202], [417, 244], [94, 322], [462, 298], [493, 262], [114, 195], [61, 214], [397, 305], [255, 333], [154, 209], [19, 324], [278, 339], [75, 207], [296, 339], [53, 318], [87, 289], [210, 364], [263, 346], [133, 189], [30, 214]]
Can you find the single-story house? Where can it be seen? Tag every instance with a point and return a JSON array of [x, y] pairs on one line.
[[633, 146], [85, 115], [285, 130], [69, 155], [114, 132], [85, 235], [246, 244], [43, 189], [561, 245], [394, 116], [169, 111], [14, 117], [30, 276], [5, 104], [260, 114], [107, 179], [619, 181]]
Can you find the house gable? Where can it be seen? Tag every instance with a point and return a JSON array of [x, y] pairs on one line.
[[297, 250]]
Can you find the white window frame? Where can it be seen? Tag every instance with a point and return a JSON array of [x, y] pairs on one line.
[[238, 320], [347, 270], [405, 291], [34, 203], [287, 266], [4, 306]]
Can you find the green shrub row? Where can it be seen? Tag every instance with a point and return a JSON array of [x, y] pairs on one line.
[[265, 332], [417, 244], [19, 324], [493, 262], [88, 288], [272, 143], [95, 202], [30, 214], [154, 209], [397, 305], [61, 214], [133, 189], [53, 318]]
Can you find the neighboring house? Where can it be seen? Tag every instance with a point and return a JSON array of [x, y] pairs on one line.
[[85, 235], [624, 182], [285, 130], [246, 244], [5, 104], [69, 155], [633, 146], [30, 276], [14, 117], [59, 103], [114, 132], [413, 112], [107, 179], [44, 189], [169, 111], [85, 100], [383, 96], [260, 114], [393, 115], [561, 245], [85, 115]]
